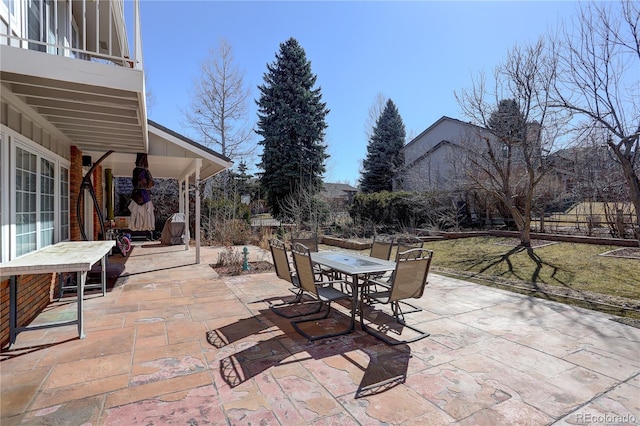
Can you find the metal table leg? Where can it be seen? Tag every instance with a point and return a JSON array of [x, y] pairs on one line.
[[13, 310], [81, 280]]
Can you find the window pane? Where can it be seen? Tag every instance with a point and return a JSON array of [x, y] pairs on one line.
[[34, 23], [64, 203], [46, 202]]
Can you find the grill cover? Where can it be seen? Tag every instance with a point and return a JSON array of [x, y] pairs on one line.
[[174, 230]]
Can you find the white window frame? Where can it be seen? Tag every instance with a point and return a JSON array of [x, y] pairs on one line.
[[32, 193], [62, 200], [12, 19], [10, 141], [50, 230], [51, 18], [5, 193]]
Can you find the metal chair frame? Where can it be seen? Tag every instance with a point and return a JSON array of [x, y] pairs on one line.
[[312, 244], [404, 244], [283, 271], [323, 291], [408, 280]]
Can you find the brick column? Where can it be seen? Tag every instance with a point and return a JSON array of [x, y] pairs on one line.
[[75, 179], [98, 188]]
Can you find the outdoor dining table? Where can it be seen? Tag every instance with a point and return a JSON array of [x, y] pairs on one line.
[[68, 256], [353, 265]]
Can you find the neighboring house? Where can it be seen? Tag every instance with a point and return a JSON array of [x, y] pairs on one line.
[[338, 194], [71, 89], [586, 172], [433, 159]]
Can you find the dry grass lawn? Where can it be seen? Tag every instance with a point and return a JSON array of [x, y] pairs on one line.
[[574, 270]]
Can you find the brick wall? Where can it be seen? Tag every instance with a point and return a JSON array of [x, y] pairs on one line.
[[4, 313], [35, 292], [98, 178], [75, 179]]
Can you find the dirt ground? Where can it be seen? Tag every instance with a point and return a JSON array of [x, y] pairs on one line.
[[254, 268]]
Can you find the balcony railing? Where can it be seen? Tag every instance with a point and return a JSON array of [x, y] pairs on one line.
[[93, 52]]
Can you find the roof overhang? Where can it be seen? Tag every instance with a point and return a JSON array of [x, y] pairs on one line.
[[90, 104], [170, 156]]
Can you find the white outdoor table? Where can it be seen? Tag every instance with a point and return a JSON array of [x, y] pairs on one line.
[[353, 265], [69, 256]]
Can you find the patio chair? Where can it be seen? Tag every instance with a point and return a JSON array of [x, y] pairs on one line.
[[311, 242], [409, 242], [321, 290], [407, 282], [283, 271], [381, 247], [405, 243]]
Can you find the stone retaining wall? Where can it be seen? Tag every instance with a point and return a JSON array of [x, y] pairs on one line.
[[361, 245], [550, 237]]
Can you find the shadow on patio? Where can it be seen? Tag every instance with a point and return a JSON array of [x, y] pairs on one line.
[[386, 367]]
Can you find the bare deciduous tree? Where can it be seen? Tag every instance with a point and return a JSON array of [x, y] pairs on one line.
[[218, 109], [508, 158], [375, 111], [599, 65], [305, 208]]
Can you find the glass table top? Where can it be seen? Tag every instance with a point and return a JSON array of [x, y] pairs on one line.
[[348, 260]]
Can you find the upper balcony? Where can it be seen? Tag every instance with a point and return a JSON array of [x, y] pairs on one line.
[[68, 66]]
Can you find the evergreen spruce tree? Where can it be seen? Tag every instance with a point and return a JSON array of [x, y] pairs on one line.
[[384, 157], [507, 122], [291, 121]]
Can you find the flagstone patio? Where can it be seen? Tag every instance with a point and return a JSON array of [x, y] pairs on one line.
[[493, 357]]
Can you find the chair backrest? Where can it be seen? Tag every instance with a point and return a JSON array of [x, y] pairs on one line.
[[381, 249], [280, 259], [410, 275], [310, 242], [408, 243], [304, 267]]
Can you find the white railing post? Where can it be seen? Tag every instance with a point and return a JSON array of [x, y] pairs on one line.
[[110, 25], [137, 54], [70, 27], [84, 25], [97, 26]]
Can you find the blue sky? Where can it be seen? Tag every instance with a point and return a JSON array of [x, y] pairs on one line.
[[415, 53]]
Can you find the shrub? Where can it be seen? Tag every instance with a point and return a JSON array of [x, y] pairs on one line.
[[234, 232], [386, 212], [231, 258], [226, 221]]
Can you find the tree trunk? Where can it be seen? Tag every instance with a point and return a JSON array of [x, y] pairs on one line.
[[525, 235], [632, 180], [522, 221]]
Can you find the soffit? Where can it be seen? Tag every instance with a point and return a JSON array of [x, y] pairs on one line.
[[89, 105]]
